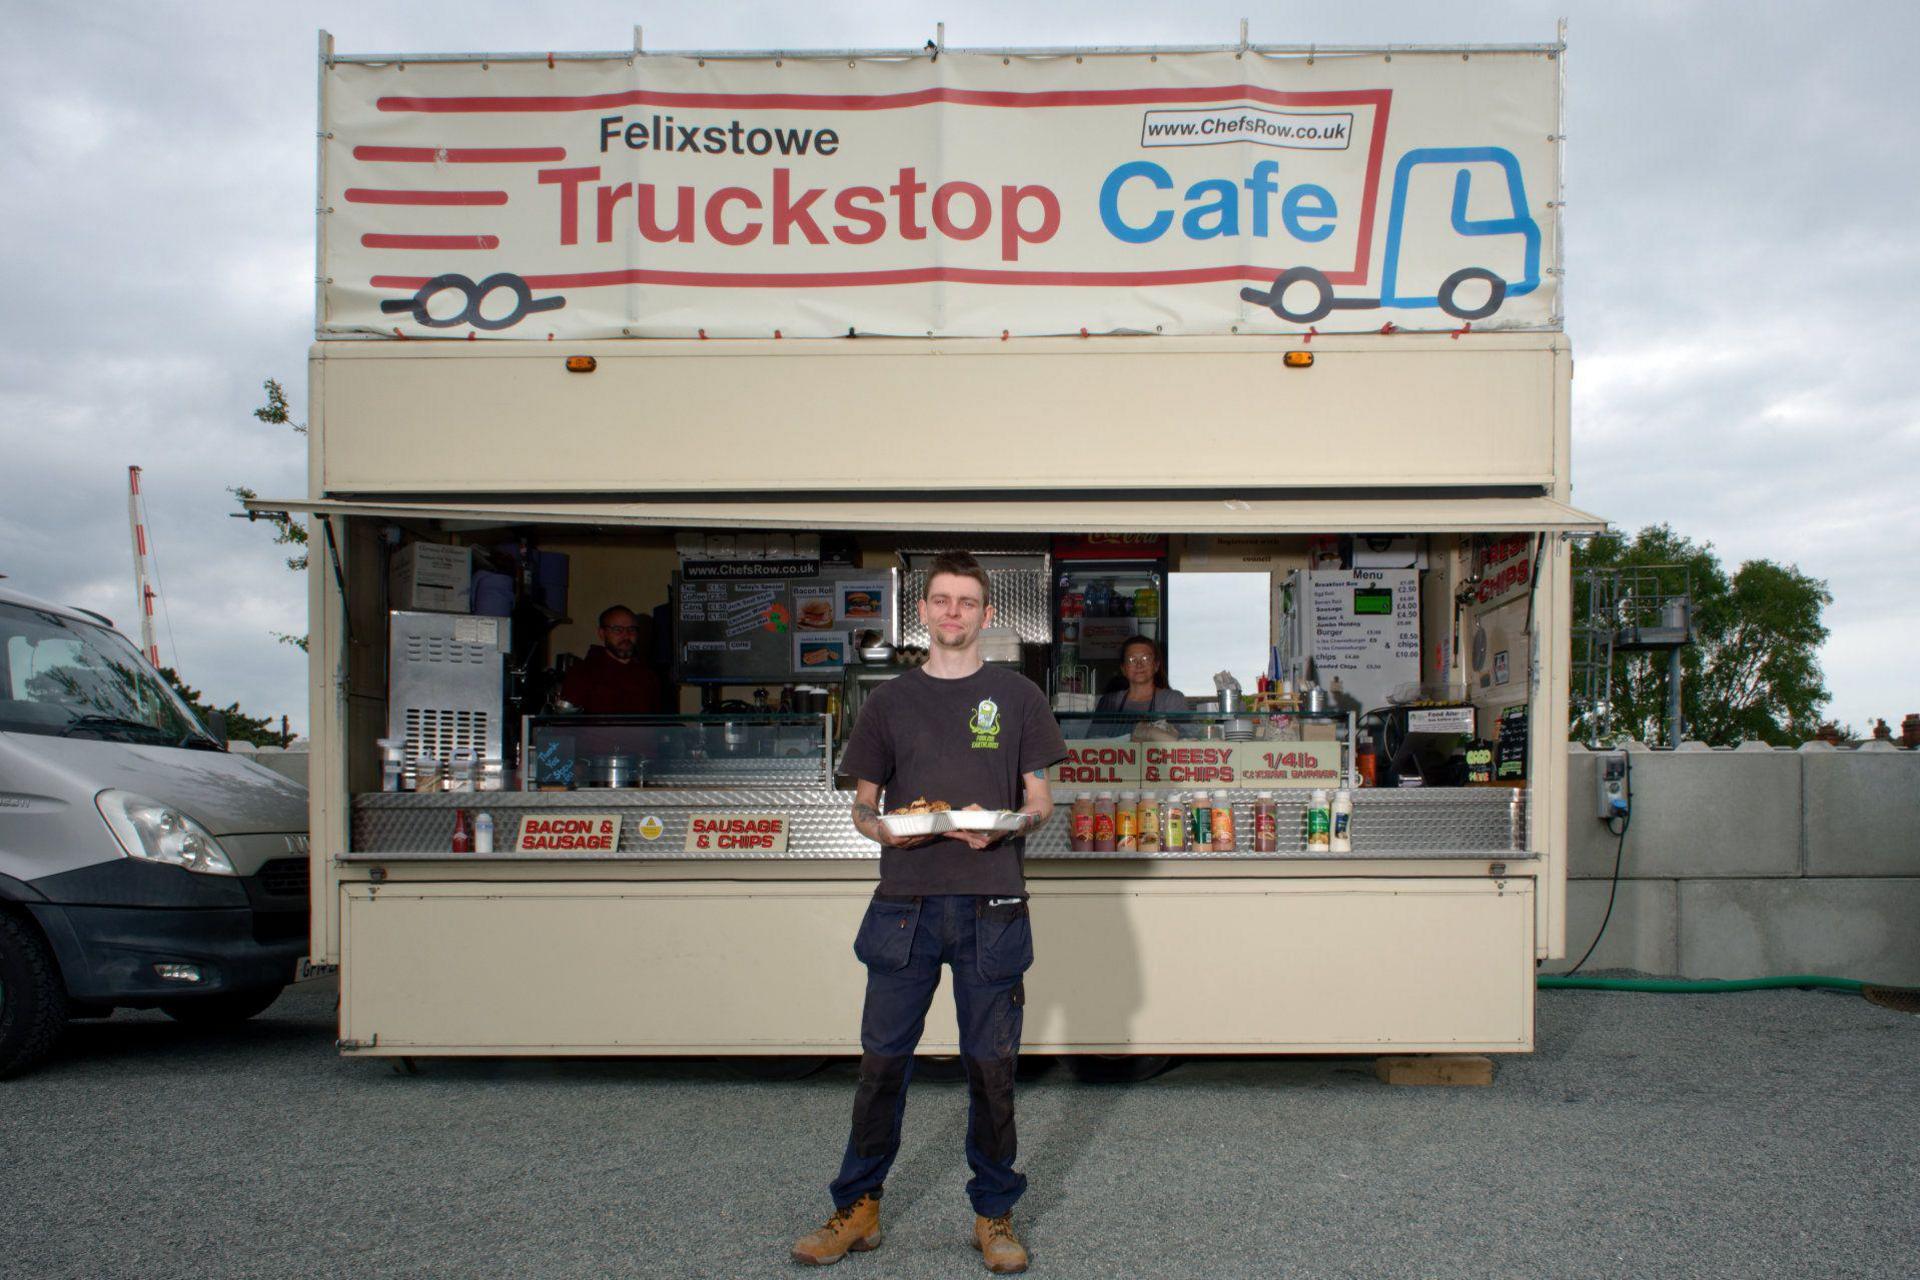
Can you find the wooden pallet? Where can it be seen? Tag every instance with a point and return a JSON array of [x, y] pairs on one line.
[[1436, 1068]]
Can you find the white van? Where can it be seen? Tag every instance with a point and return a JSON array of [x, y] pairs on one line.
[[141, 866]]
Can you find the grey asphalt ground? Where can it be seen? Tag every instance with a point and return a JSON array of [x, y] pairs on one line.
[[1755, 1135]]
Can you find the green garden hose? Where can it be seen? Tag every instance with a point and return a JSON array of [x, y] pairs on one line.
[[1708, 986]]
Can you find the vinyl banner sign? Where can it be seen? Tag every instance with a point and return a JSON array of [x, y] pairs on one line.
[[968, 195]]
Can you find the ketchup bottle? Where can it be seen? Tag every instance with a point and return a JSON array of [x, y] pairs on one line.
[[462, 834]]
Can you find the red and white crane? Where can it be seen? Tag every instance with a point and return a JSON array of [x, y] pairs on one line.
[[142, 557]]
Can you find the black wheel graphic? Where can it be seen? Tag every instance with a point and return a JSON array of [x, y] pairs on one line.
[[1496, 293], [524, 303], [1275, 300]]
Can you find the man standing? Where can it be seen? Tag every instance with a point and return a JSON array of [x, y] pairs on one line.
[[614, 678], [975, 737]]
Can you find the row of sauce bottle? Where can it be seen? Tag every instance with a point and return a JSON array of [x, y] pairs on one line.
[[1149, 822]]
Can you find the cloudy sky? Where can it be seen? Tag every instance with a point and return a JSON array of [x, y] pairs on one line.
[[1741, 222]]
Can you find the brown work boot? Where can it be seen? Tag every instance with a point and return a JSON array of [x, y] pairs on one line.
[[854, 1229], [998, 1246]]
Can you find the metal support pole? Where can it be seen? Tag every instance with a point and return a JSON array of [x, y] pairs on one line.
[[1676, 725]]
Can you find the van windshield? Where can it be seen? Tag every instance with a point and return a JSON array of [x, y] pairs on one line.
[[71, 679]]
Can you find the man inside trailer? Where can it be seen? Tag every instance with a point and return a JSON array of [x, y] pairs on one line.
[[971, 736], [615, 678]]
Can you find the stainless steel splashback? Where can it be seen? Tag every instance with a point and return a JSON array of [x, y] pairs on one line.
[[1021, 586]]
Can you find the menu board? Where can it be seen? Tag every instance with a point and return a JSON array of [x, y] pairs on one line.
[[1510, 756], [748, 630], [732, 630], [1362, 627], [1197, 765]]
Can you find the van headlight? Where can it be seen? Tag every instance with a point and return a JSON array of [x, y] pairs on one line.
[[161, 833]]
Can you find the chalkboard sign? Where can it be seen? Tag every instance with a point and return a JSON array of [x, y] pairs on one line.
[[1510, 757], [553, 761], [738, 631], [743, 631]]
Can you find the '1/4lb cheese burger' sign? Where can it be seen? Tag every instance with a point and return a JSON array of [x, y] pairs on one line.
[[662, 195], [1197, 765]]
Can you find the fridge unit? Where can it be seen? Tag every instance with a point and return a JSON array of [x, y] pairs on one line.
[[1104, 590], [447, 687]]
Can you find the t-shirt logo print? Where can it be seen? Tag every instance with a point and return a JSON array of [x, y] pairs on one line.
[[986, 725]]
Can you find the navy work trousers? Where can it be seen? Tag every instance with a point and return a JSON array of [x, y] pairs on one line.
[[988, 943]]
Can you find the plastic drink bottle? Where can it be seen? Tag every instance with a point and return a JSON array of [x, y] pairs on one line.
[[1319, 820], [1340, 832], [1126, 823]]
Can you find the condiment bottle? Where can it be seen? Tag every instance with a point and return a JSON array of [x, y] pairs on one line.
[[1319, 819], [1340, 832], [393, 763], [1149, 822], [1225, 839], [1200, 820], [483, 832], [1266, 824], [1126, 823], [1082, 831], [1103, 833], [1173, 823], [462, 837]]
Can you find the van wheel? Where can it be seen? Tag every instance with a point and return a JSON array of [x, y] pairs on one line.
[[215, 1010], [33, 1001]]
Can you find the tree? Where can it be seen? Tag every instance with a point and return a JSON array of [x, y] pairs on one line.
[[286, 530], [261, 731], [1753, 671]]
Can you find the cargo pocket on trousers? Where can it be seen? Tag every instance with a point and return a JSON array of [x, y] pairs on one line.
[[1003, 938], [885, 940]]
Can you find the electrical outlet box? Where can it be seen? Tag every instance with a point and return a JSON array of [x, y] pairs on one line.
[[1611, 785]]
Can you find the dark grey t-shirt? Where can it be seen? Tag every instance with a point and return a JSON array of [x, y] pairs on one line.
[[965, 741]]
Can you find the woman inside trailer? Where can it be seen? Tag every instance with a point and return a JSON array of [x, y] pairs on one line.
[[1144, 695]]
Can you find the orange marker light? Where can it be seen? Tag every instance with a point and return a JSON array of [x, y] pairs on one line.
[[582, 364], [1298, 359]]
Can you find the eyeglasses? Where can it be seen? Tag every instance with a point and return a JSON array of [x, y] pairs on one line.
[[1137, 660]]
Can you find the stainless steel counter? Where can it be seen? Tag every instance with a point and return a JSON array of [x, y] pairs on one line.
[[1448, 823]]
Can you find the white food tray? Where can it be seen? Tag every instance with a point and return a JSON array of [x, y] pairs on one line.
[[925, 824]]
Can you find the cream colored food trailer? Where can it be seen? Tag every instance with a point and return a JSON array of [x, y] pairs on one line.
[[708, 905]]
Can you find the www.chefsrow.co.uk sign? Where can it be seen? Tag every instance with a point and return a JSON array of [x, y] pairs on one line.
[[969, 195]]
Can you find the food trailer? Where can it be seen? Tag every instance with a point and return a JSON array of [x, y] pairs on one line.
[[739, 340]]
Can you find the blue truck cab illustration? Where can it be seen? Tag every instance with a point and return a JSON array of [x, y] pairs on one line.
[[1471, 292]]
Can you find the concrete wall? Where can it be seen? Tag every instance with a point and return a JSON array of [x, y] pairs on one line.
[[1751, 863], [288, 763]]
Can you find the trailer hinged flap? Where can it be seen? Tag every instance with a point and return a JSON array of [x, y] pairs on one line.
[[1500, 514]]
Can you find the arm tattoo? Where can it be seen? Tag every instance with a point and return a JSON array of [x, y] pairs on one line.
[[1040, 775], [862, 811]]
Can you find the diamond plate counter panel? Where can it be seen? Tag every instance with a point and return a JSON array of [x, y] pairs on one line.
[[1451, 824]]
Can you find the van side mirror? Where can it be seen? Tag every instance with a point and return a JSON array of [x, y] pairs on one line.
[[217, 725]]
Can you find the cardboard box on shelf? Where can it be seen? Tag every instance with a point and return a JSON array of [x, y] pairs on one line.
[[432, 576]]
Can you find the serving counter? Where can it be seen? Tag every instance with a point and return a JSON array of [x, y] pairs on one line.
[[688, 934], [1465, 823]]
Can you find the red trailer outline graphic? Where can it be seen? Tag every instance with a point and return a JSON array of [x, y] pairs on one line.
[[424, 287]]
